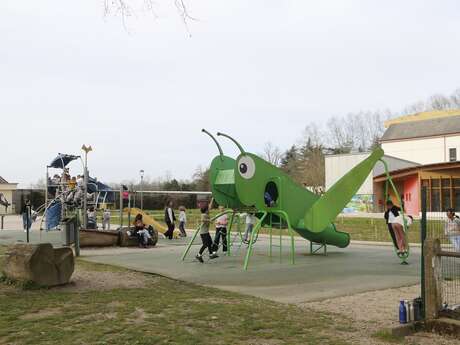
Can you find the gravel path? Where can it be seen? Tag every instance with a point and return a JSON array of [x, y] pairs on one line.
[[373, 311]]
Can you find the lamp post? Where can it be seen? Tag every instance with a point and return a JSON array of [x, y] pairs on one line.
[[141, 173], [87, 149]]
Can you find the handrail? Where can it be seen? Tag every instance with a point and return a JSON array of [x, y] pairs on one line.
[[448, 254]]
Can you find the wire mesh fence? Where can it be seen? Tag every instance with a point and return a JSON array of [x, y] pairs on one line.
[[450, 285], [446, 228]]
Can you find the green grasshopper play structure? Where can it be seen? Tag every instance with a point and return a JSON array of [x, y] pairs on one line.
[[241, 185]]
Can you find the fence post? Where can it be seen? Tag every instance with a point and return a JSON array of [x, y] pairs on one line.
[[422, 242], [432, 278]]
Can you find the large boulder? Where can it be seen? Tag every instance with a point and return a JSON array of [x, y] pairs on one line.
[[39, 263]]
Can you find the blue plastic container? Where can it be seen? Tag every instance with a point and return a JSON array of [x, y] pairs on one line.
[[402, 313]]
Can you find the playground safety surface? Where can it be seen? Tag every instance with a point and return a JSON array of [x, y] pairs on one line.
[[348, 271]]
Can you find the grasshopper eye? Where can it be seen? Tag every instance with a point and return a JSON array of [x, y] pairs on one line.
[[246, 167]]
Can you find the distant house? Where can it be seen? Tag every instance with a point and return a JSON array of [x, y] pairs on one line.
[[421, 150], [7, 189]]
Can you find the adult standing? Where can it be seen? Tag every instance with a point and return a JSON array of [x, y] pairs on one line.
[[27, 216], [170, 218], [452, 229]]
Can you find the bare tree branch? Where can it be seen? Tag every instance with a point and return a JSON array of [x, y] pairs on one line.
[[272, 154], [128, 8]]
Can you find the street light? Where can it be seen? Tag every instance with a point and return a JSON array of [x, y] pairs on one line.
[[141, 173], [87, 149]]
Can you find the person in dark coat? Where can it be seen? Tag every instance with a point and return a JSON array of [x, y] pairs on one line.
[[26, 212], [170, 218]]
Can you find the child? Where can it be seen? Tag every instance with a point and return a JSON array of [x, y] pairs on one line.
[[452, 229], [106, 219], [143, 235], [182, 221], [91, 220], [205, 236], [72, 183], [396, 226], [250, 220], [221, 230]]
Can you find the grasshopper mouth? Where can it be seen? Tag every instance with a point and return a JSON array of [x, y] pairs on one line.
[[271, 194]]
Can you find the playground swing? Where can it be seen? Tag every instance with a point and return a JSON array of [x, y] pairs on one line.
[[403, 256]]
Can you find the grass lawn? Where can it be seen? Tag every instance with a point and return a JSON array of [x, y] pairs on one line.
[[162, 311]]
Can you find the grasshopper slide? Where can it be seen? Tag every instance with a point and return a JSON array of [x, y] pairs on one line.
[[149, 220], [250, 181]]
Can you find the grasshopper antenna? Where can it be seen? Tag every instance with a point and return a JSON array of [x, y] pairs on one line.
[[229, 137], [217, 143]]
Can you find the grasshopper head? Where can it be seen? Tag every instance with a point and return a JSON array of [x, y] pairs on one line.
[[257, 181]]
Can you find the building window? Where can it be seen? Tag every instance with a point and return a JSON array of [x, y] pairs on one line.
[[442, 193], [452, 155]]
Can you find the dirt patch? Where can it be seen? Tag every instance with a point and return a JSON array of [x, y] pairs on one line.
[[138, 316], [213, 300], [86, 280], [379, 306], [115, 305], [264, 342], [99, 317], [41, 314], [372, 311]]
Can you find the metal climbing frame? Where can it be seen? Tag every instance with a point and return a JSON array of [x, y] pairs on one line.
[[230, 241], [281, 215]]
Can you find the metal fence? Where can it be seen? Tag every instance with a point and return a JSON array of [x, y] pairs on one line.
[[444, 261]]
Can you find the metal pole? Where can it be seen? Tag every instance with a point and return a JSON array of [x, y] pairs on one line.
[[28, 220], [46, 187], [281, 242], [422, 239], [129, 209], [229, 234], [85, 192], [142, 192], [271, 237], [76, 229], [254, 234], [121, 206]]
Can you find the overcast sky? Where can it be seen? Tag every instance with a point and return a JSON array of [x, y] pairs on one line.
[[258, 70]]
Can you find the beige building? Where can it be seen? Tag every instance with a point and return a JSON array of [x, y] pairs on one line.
[[421, 150], [6, 191], [425, 138]]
